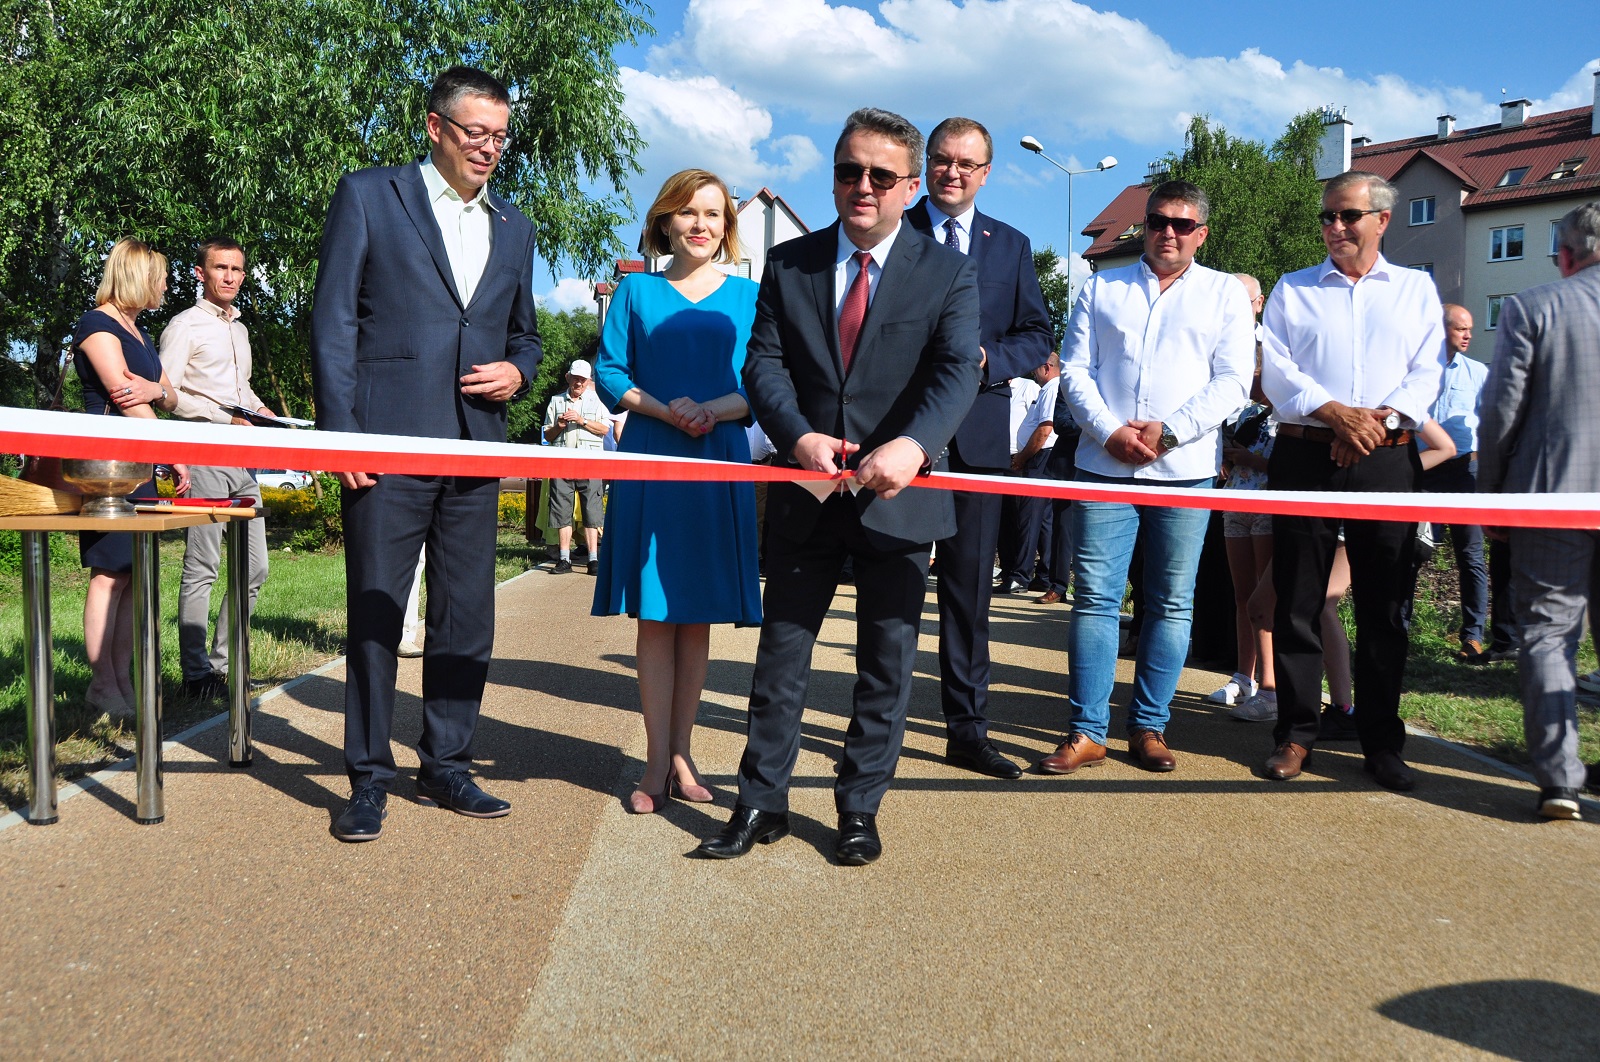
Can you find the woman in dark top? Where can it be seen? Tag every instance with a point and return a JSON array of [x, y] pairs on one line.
[[121, 376]]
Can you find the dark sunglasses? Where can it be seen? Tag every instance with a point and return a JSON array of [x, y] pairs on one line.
[[1161, 223], [1349, 217], [881, 179]]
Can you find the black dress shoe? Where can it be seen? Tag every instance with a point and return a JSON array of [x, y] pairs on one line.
[[984, 758], [858, 839], [1391, 772], [458, 792], [362, 818], [748, 827]]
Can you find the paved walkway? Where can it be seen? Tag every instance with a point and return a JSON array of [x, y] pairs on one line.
[[1201, 914]]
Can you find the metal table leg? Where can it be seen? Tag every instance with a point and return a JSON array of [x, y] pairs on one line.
[[238, 539], [40, 677], [151, 807]]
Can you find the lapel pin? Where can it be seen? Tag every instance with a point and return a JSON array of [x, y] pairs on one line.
[[986, 232]]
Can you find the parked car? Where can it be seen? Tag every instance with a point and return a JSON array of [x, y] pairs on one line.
[[283, 478]]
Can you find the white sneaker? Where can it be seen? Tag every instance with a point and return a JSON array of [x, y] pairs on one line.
[[1590, 683], [408, 649], [1261, 707], [1238, 688]]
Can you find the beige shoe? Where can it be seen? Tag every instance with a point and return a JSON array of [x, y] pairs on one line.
[[408, 649]]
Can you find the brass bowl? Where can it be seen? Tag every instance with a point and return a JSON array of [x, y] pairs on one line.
[[106, 484]]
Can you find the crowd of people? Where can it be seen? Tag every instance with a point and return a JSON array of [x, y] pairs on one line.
[[908, 337]]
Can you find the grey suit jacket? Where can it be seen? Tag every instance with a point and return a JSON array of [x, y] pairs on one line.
[[1540, 432]]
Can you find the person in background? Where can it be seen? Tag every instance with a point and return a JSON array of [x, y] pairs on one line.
[[679, 556], [577, 419], [205, 352], [1024, 393], [1033, 554], [122, 376]]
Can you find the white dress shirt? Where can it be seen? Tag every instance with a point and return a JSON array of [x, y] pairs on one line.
[[963, 221], [205, 353], [1024, 393], [1043, 411], [1373, 342], [1184, 356], [467, 226], [845, 268]]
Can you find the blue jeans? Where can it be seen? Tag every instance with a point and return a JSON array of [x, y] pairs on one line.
[[1104, 533]]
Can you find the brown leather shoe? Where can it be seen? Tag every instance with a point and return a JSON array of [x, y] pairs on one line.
[[1079, 750], [1286, 761], [1049, 597], [1149, 750]]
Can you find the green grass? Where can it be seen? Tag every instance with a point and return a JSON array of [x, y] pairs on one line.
[[299, 624]]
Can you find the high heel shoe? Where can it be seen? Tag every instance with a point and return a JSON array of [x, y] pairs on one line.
[[642, 803], [694, 794]]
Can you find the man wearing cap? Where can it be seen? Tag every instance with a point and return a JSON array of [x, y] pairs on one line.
[[577, 420]]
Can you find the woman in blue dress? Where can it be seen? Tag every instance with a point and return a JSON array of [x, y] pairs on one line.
[[679, 556], [122, 376]]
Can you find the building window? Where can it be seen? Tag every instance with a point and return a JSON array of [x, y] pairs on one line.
[[1569, 168], [1423, 267], [1505, 244], [744, 268], [1513, 177], [1422, 211], [1493, 316]]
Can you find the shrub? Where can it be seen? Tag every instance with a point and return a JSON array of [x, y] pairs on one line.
[[513, 509], [63, 551], [312, 523]]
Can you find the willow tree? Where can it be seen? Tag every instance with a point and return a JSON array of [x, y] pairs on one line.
[[174, 119]]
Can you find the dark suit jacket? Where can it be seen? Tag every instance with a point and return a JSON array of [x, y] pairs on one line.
[[1013, 329], [390, 338], [914, 373]]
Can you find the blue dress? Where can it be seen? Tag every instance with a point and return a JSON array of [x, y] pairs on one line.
[[111, 551], [678, 552]]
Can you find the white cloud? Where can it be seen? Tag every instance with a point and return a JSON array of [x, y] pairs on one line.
[[1068, 70], [699, 121], [569, 293]]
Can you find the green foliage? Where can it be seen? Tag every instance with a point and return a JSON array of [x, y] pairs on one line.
[[513, 509], [1057, 292], [564, 337], [173, 119], [311, 519], [1264, 200], [63, 552]]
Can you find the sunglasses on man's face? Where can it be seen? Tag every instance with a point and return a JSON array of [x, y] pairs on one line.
[[880, 178], [1349, 217], [1179, 226]]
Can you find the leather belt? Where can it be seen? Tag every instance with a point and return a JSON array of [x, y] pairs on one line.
[[1313, 433]]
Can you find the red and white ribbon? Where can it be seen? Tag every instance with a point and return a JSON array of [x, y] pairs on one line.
[[51, 434]]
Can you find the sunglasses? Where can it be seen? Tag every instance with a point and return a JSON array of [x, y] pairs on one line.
[[1179, 226], [1349, 217], [881, 179]]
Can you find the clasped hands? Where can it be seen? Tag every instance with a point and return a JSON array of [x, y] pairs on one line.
[[1137, 442], [691, 417], [1360, 430], [886, 471]]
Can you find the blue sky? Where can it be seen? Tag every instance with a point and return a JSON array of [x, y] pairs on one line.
[[756, 89]]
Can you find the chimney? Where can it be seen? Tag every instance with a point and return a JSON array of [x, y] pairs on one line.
[[1594, 114], [1513, 113], [1333, 155], [1156, 172], [1447, 125], [1359, 142]]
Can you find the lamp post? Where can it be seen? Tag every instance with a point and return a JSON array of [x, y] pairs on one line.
[[1033, 145]]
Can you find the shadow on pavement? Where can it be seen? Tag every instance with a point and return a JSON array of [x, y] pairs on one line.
[[1526, 1020]]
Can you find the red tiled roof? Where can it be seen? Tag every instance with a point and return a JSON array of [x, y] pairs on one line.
[[1119, 216], [1479, 157]]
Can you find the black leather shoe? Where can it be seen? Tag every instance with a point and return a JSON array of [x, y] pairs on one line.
[[212, 686], [458, 792], [858, 839], [984, 758], [1391, 772], [748, 827], [362, 818]]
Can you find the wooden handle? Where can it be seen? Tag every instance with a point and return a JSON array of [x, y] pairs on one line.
[[209, 510]]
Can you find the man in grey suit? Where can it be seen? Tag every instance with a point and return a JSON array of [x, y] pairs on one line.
[[1539, 434], [863, 357], [423, 325]]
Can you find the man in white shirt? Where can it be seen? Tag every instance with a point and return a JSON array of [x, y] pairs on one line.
[[1351, 355], [205, 352], [1031, 556], [577, 419], [1024, 393], [1159, 354]]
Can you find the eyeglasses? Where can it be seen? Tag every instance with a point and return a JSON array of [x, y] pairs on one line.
[[882, 179], [473, 139], [966, 169], [1179, 226], [1349, 217]]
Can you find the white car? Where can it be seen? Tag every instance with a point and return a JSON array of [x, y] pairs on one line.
[[283, 478]]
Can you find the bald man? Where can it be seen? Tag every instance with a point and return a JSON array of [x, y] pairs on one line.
[[1456, 409]]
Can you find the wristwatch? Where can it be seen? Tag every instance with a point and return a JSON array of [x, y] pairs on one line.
[[1168, 440], [1392, 421]]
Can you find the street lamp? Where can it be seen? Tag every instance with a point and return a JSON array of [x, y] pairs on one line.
[[1033, 145]]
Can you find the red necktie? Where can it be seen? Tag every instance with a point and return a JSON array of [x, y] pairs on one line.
[[854, 310]]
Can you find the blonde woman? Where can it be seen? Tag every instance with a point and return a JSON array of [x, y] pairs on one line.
[[679, 557], [121, 376]]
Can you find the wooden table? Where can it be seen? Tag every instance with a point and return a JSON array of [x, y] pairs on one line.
[[37, 655]]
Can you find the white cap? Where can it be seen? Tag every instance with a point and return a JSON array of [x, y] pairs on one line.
[[580, 368]]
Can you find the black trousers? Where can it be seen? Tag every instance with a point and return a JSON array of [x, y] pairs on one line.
[[965, 588], [801, 580], [1032, 550], [1380, 554], [384, 528], [1061, 464]]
